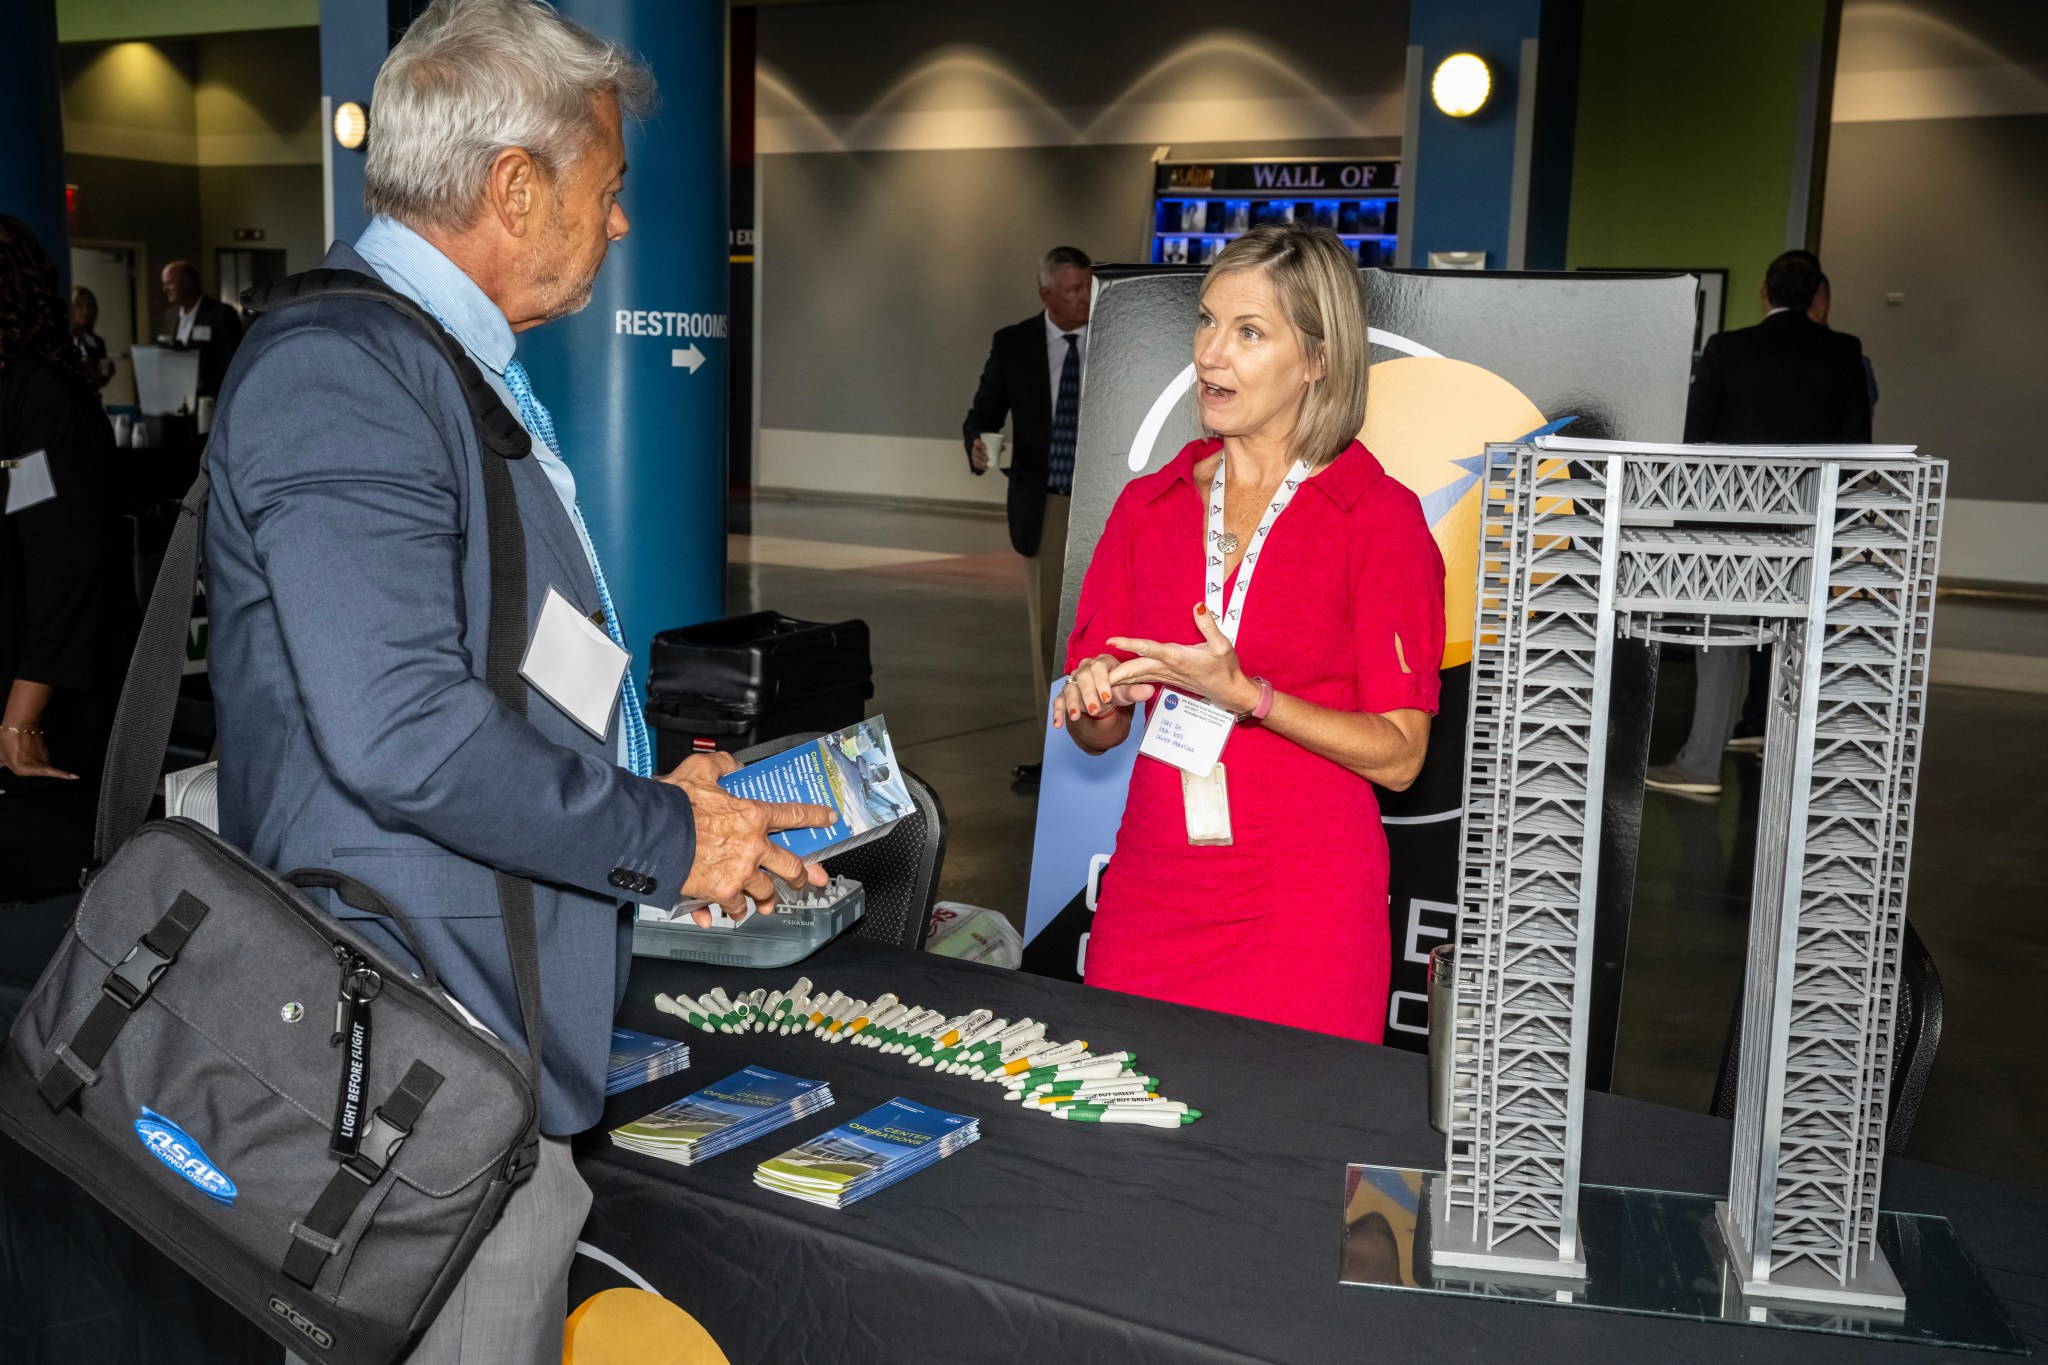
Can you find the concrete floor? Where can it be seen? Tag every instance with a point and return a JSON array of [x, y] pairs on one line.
[[951, 673]]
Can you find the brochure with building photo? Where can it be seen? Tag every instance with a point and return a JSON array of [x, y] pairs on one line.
[[853, 771], [736, 1110], [867, 1154]]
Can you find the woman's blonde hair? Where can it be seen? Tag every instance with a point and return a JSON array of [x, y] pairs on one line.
[[1316, 279]]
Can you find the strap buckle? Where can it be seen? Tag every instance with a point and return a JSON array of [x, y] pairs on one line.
[[379, 1144], [521, 1161], [134, 976]]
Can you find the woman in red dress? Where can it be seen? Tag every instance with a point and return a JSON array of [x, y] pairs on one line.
[[1276, 571]]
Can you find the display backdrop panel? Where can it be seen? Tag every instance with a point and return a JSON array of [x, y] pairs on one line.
[[1459, 359]]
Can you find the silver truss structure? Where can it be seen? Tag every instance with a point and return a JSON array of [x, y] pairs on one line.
[[1828, 556]]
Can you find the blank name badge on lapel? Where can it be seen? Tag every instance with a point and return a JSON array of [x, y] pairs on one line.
[[574, 664]]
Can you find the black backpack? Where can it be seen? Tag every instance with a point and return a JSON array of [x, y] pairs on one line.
[[308, 1125]]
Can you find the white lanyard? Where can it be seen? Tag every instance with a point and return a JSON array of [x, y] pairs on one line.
[[1218, 538]]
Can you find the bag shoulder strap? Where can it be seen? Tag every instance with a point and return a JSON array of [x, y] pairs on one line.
[[142, 724]]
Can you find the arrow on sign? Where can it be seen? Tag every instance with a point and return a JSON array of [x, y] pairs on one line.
[[688, 359]]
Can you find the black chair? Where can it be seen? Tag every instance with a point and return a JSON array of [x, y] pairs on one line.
[[899, 871], [1914, 1042]]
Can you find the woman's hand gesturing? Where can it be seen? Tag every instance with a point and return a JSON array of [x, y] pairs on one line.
[[1209, 669]]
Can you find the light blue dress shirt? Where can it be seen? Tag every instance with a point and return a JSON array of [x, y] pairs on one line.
[[416, 268]]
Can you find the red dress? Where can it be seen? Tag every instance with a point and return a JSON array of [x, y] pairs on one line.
[[1289, 922]]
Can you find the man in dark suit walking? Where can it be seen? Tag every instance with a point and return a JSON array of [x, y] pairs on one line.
[[1789, 380], [195, 321], [1033, 378]]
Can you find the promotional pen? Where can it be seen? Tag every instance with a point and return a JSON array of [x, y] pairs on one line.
[[689, 1012], [948, 1060], [880, 1030], [1094, 1087], [1065, 1052], [866, 1017], [840, 1017], [1150, 1118], [1103, 1096], [907, 1029]]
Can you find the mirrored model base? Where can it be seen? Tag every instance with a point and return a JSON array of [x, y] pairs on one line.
[[1660, 1253]]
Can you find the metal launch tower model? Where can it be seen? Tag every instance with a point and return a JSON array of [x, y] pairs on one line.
[[1826, 555]]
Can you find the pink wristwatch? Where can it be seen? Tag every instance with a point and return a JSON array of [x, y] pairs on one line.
[[1265, 706]]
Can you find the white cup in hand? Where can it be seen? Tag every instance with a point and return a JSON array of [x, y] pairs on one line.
[[998, 457]]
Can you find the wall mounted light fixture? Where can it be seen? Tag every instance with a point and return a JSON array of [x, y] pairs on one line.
[[351, 124], [1461, 85]]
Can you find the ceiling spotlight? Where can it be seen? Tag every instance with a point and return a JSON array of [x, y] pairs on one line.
[[1461, 85], [351, 124]]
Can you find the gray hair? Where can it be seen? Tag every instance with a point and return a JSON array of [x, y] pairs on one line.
[[1058, 258], [473, 77]]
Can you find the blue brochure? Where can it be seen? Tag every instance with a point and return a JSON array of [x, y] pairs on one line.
[[852, 771]]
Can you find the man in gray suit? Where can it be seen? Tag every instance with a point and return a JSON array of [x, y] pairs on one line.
[[348, 591]]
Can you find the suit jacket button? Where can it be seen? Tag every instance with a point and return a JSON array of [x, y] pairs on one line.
[[645, 886], [621, 878]]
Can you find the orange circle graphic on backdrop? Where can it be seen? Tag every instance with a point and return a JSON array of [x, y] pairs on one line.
[[1424, 414], [634, 1327]]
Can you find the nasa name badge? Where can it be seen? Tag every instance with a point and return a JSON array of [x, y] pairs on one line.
[[1187, 732]]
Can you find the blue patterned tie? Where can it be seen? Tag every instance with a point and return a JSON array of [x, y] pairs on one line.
[[639, 753], [1066, 421]]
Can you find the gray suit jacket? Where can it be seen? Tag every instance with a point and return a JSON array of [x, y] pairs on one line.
[[347, 590]]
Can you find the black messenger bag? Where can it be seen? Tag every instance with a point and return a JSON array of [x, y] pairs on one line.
[[304, 1122]]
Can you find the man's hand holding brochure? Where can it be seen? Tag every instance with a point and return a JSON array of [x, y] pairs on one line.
[[822, 797]]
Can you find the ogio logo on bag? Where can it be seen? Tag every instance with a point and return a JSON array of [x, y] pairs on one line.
[[176, 1149], [305, 1326]]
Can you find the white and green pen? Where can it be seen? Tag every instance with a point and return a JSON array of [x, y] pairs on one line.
[[685, 1009], [938, 1024], [905, 1028], [952, 1038], [883, 1027], [862, 1018], [1151, 1118]]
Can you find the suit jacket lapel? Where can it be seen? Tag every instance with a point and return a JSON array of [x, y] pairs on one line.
[[540, 507]]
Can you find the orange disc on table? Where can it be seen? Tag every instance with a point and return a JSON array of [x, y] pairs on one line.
[[634, 1327]]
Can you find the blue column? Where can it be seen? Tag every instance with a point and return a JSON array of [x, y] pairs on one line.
[[32, 154], [354, 38], [637, 381], [1498, 181]]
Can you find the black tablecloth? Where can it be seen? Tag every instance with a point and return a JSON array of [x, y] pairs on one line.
[[1051, 1241]]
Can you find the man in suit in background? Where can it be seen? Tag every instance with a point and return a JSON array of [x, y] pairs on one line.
[[1033, 377], [195, 321], [1789, 380]]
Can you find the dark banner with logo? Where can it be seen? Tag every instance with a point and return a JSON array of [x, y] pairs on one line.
[[1460, 359]]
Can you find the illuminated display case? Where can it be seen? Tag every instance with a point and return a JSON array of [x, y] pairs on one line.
[[1198, 206]]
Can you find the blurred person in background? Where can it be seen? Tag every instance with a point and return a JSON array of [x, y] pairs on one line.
[[85, 317], [66, 610], [1789, 380], [196, 321], [1329, 667], [1033, 378]]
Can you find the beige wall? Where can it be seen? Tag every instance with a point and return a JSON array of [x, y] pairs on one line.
[[916, 157], [177, 144], [1933, 241]]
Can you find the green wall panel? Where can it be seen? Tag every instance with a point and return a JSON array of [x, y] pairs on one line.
[[99, 21], [1688, 118]]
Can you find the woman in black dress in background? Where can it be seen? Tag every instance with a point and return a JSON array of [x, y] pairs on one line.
[[65, 606]]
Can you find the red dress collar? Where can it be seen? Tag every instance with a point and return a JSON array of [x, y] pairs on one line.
[[1341, 480]]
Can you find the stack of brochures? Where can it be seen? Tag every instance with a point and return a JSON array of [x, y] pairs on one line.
[[738, 1109], [638, 1058], [867, 1154]]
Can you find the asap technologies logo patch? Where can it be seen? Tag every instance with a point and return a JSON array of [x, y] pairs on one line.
[[177, 1149]]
